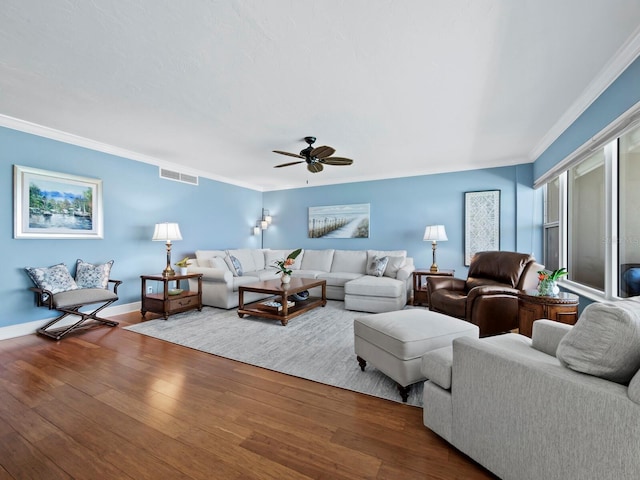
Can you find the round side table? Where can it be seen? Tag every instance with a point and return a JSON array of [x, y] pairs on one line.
[[533, 306]]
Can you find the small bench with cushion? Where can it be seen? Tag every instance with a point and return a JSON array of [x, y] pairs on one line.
[[56, 290]]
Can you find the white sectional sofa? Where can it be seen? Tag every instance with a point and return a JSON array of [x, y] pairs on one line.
[[344, 270]]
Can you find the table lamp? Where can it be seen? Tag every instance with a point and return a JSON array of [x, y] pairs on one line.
[[166, 232], [435, 233]]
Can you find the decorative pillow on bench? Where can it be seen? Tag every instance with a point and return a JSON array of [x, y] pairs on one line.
[[56, 278], [89, 275]]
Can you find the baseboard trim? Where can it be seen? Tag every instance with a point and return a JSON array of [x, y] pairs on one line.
[[29, 328]]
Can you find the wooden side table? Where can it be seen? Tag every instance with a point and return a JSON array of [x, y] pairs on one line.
[[532, 306], [420, 292], [166, 304]]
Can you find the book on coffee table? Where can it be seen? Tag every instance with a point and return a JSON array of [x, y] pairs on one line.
[[273, 306]]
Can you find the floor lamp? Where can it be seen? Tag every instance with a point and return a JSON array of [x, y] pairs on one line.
[[435, 234]]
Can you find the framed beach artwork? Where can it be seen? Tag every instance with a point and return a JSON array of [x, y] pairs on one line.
[[339, 221], [56, 205], [481, 223]]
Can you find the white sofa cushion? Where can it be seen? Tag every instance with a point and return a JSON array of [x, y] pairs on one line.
[[317, 260], [605, 342], [203, 256], [369, 286], [338, 279], [272, 256], [349, 261], [219, 263]]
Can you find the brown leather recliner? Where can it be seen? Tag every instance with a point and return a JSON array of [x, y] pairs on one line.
[[488, 297]]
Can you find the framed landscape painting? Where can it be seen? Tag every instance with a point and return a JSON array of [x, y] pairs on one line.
[[56, 205], [481, 223], [339, 221]]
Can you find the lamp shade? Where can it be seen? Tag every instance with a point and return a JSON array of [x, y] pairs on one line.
[[166, 232], [435, 233]]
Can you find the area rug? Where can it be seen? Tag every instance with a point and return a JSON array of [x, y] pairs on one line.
[[317, 345]]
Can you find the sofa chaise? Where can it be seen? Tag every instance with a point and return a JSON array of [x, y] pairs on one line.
[[562, 405], [353, 276]]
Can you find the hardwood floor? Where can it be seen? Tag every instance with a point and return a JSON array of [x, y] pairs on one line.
[[113, 404]]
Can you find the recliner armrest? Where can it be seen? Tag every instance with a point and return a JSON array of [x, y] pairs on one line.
[[476, 292], [547, 335], [446, 283]]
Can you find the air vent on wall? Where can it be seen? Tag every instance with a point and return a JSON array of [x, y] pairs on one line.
[[178, 177]]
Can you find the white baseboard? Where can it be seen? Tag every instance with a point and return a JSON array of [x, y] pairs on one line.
[[13, 331]]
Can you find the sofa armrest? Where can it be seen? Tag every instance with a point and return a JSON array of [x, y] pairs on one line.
[[213, 274], [436, 366], [447, 283], [405, 271], [547, 335]]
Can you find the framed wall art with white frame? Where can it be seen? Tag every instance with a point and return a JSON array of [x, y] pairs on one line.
[[56, 205], [481, 223]]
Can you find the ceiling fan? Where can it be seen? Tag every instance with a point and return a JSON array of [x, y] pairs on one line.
[[315, 157]]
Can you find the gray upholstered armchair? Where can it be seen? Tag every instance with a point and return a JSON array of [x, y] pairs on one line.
[[488, 297]]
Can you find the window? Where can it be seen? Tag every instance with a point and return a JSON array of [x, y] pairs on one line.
[[552, 224], [629, 220], [586, 225], [591, 222]]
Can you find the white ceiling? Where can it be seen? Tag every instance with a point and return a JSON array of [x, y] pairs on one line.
[[404, 87]]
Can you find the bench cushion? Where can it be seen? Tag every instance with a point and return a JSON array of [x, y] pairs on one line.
[[82, 296], [375, 287]]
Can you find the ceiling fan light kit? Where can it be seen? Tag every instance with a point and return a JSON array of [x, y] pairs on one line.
[[315, 158]]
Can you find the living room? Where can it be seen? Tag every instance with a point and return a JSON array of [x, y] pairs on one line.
[[220, 212]]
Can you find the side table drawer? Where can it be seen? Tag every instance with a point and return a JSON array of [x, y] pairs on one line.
[[183, 302]]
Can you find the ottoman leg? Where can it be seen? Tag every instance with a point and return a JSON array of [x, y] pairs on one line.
[[362, 362], [404, 392]]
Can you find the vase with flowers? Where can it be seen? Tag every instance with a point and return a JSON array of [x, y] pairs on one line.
[[548, 281], [284, 264]]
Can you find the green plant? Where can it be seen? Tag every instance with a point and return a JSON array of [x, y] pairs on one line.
[[283, 265], [183, 263], [545, 275]]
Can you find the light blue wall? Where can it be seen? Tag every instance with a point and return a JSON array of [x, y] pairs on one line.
[[621, 95], [218, 215], [212, 215], [401, 209]]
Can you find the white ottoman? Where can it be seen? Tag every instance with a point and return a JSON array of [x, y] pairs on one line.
[[394, 342]]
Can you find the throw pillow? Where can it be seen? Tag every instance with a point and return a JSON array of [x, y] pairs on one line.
[[56, 278], [605, 342], [377, 265], [89, 275], [218, 262], [394, 264], [234, 265]]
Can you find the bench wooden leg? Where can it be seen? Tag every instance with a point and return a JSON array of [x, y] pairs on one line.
[[58, 333]]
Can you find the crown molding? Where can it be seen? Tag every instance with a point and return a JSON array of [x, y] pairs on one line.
[[69, 138], [625, 56]]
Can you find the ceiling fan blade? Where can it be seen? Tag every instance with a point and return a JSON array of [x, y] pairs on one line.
[[322, 152], [336, 161], [287, 153], [288, 164], [315, 167]]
